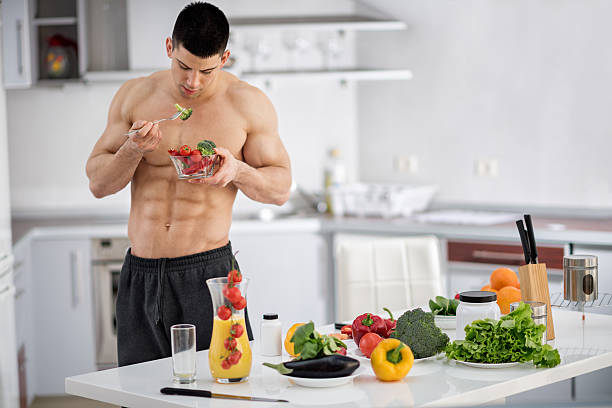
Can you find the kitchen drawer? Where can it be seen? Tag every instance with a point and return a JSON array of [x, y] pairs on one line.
[[502, 253]]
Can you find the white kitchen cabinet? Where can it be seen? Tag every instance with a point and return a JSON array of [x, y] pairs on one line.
[[63, 318], [23, 319], [595, 386], [289, 276], [97, 28], [16, 43]]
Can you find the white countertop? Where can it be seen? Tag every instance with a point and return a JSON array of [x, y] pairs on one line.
[[435, 382]]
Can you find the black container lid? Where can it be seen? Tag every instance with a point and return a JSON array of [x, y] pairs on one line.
[[477, 296], [270, 316]]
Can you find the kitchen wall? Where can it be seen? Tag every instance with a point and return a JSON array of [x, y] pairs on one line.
[[523, 82], [57, 126]]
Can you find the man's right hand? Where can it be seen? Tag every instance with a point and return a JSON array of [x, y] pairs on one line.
[[147, 138]]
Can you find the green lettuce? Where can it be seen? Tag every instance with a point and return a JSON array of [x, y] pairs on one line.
[[513, 338]]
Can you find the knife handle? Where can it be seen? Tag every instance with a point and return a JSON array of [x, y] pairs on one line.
[[186, 391], [532, 244], [524, 242]]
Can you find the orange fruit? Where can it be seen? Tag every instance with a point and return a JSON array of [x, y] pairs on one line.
[[502, 277], [506, 296], [488, 288]]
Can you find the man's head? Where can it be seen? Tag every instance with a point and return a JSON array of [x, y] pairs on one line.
[[197, 47]]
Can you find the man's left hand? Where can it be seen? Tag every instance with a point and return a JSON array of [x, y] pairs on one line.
[[228, 169]]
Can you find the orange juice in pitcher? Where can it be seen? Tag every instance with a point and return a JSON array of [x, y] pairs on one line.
[[229, 355]]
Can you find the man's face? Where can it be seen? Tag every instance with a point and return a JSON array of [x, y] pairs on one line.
[[193, 74]]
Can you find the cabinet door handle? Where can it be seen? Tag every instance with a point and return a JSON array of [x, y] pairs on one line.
[[493, 255], [19, 27], [75, 278]]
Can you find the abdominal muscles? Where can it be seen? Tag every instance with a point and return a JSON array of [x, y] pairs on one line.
[[171, 217]]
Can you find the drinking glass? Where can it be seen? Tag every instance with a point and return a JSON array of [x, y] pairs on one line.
[[183, 339], [229, 355]]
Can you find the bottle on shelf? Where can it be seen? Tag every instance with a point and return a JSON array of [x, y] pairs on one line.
[[334, 176]]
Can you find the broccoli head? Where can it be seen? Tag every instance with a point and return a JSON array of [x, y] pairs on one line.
[[187, 111], [417, 330], [207, 147]]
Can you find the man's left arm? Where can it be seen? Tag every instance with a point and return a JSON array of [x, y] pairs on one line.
[[265, 173]]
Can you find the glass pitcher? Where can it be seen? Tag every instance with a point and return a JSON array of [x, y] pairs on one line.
[[229, 355]]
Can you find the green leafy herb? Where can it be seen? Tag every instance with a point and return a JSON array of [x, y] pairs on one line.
[[443, 306], [310, 344], [513, 338]]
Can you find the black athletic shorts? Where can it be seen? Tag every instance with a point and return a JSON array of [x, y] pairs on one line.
[[155, 294]]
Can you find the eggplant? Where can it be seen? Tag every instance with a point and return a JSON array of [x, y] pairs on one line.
[[332, 366]]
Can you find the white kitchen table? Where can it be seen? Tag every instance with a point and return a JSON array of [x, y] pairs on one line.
[[430, 383]]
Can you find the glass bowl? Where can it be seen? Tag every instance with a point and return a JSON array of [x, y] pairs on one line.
[[194, 167]]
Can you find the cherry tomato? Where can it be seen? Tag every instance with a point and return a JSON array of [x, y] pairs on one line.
[[368, 342], [233, 294], [225, 364], [240, 304], [224, 312], [230, 343], [195, 156], [185, 150], [236, 330], [234, 276], [173, 152], [225, 289], [234, 358], [342, 351], [457, 296], [348, 330]]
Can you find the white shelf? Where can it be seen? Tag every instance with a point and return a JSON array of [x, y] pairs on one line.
[[341, 22], [53, 21], [347, 74]]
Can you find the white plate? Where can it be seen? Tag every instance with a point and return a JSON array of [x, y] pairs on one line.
[[486, 365], [325, 382], [446, 322]]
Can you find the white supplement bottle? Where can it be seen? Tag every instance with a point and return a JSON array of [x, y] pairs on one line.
[[271, 335], [475, 305]]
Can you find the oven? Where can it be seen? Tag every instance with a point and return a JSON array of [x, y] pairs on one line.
[[107, 259]]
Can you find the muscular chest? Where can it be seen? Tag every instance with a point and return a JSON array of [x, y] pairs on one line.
[[216, 121]]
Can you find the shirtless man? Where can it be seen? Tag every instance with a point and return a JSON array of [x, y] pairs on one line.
[[179, 230]]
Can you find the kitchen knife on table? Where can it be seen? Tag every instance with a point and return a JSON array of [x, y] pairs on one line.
[[207, 394]]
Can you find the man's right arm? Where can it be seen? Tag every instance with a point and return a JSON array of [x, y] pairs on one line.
[[115, 157]]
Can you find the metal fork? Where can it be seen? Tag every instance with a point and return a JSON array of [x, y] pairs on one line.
[[176, 115]]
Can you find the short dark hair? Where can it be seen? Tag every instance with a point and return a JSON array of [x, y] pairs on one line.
[[202, 29]]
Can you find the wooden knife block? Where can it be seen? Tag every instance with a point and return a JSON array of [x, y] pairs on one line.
[[534, 287]]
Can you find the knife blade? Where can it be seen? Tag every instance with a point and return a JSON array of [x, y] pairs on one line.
[[524, 241], [533, 250], [207, 394]]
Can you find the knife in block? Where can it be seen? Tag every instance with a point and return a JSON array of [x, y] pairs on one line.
[[534, 287]]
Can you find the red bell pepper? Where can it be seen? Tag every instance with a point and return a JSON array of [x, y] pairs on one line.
[[367, 323], [389, 325]]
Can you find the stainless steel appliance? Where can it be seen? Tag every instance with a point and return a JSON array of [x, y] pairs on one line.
[[107, 258]]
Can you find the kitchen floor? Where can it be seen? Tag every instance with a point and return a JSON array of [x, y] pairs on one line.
[[67, 402]]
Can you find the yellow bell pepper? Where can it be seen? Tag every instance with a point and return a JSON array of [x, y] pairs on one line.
[[288, 342], [391, 360]]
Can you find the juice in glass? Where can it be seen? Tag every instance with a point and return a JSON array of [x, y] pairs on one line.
[[229, 354], [217, 352]]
